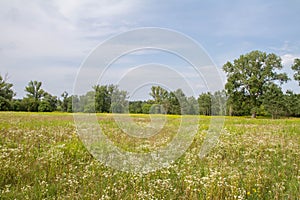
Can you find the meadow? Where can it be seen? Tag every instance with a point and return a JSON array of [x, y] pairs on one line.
[[42, 157]]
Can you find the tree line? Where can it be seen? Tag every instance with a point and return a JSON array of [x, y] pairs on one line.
[[253, 87]]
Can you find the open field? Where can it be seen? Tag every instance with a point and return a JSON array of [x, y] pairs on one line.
[[41, 157]]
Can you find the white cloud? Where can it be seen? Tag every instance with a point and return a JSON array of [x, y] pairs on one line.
[[76, 9], [288, 59], [47, 40], [60, 28]]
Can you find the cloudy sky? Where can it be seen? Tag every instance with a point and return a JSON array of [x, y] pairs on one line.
[[49, 40]]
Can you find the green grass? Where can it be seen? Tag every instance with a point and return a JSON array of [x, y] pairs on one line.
[[41, 157]]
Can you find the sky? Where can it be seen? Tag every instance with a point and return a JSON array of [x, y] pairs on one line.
[[50, 40]]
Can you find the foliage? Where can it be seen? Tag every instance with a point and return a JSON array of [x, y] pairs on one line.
[[218, 103], [160, 97], [192, 106], [212, 104], [174, 102], [136, 106], [31, 104], [34, 90], [273, 101], [249, 76], [146, 108], [205, 102], [66, 103], [6, 94], [34, 95], [119, 101], [174, 105], [103, 98], [18, 105], [292, 104], [48, 103], [296, 68]]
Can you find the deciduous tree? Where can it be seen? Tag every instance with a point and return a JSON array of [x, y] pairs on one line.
[[251, 75], [296, 68], [34, 95], [6, 93], [273, 101]]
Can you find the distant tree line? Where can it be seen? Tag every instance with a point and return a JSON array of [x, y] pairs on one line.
[[253, 87]]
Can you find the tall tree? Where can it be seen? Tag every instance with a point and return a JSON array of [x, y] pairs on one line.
[[204, 101], [66, 103], [296, 68], [182, 99], [119, 101], [250, 75], [193, 106], [34, 95], [76, 105], [102, 98], [160, 96], [34, 90], [48, 103], [292, 103], [174, 105], [218, 103], [6, 93], [88, 102], [273, 101]]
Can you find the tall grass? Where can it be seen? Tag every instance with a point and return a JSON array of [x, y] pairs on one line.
[[41, 157]]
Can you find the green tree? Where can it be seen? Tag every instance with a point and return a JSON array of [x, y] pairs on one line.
[[102, 98], [174, 105], [160, 96], [75, 105], [44, 106], [273, 101], [66, 101], [34, 90], [250, 75], [218, 103], [18, 105], [31, 104], [204, 101], [182, 99], [193, 107], [296, 68], [146, 108], [6, 94], [88, 102], [135, 107], [158, 93], [119, 102], [292, 103], [34, 95], [238, 104], [48, 103]]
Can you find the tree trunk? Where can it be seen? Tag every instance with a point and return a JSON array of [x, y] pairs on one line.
[[253, 115]]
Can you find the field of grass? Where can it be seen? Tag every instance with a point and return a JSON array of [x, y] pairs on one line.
[[41, 157]]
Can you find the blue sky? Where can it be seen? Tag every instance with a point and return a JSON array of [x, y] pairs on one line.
[[48, 40]]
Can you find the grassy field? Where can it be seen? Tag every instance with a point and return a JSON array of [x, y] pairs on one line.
[[41, 157]]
